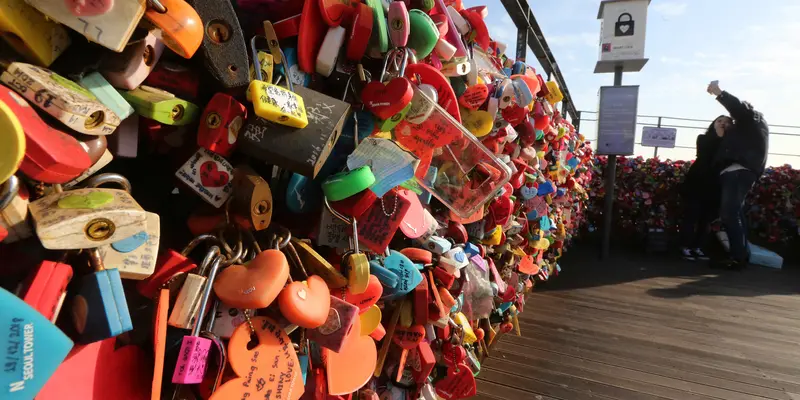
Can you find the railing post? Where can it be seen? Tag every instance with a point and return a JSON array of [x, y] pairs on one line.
[[655, 152], [610, 182]]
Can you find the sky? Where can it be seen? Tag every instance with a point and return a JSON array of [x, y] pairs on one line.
[[752, 48]]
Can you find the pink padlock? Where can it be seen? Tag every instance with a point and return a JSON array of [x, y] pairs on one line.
[[193, 356], [127, 70], [398, 23]]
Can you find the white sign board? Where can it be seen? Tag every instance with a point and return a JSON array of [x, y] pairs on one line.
[[659, 137], [622, 35], [616, 120]]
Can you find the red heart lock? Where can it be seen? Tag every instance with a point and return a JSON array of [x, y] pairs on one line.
[[459, 384], [408, 338], [528, 266], [98, 371], [453, 354], [514, 114], [387, 100], [211, 176], [362, 300], [88, 8]]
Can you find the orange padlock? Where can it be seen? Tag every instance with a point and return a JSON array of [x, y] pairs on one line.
[[181, 27]]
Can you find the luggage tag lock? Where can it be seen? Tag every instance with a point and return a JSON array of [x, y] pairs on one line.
[[14, 211], [100, 310], [273, 102], [88, 217]]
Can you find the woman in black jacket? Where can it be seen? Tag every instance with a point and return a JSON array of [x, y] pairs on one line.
[[701, 191]]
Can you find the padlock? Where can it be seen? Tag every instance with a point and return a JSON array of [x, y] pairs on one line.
[[171, 263], [161, 106], [135, 256], [209, 175], [34, 36], [33, 347], [125, 143], [220, 124], [14, 210], [423, 33], [100, 22], [258, 282], [51, 156], [390, 97], [194, 350], [99, 310], [626, 27], [86, 218], [273, 102], [354, 263], [398, 23], [360, 32], [335, 331], [127, 70], [46, 288], [184, 313], [95, 83], [252, 197], [329, 51], [379, 41], [224, 48], [348, 183], [63, 99], [181, 27], [303, 151]]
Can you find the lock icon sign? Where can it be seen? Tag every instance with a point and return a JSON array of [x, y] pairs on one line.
[[624, 28]]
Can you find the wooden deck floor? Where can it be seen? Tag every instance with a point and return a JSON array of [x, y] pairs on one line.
[[652, 328]]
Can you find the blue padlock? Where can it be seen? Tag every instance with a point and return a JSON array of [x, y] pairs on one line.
[[302, 194], [100, 310], [388, 278], [408, 275], [32, 346]]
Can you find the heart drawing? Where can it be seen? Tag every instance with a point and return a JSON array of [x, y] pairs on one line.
[[211, 176]]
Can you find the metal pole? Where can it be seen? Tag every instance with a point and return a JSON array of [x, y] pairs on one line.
[[610, 182], [655, 154]]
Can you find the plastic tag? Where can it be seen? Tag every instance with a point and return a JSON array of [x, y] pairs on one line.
[[209, 175], [390, 164]]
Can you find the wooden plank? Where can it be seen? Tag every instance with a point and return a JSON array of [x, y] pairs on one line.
[[649, 380], [490, 390], [654, 354], [533, 385]]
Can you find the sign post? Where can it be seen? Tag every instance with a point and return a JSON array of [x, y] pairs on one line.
[[622, 38]]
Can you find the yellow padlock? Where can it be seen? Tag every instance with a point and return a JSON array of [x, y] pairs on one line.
[[463, 322], [555, 94], [12, 142], [273, 102], [267, 62], [30, 33]]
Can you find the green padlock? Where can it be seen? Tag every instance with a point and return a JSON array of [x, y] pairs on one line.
[[424, 33], [161, 106], [379, 41]]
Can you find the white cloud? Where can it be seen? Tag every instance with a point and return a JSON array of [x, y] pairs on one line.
[[669, 8]]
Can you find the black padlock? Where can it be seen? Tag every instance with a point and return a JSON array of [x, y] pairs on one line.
[[224, 48], [624, 28]]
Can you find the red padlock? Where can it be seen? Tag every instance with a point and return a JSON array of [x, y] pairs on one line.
[[360, 32], [51, 156], [46, 288], [220, 124]]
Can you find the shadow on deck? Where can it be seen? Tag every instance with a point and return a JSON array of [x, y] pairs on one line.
[[657, 327]]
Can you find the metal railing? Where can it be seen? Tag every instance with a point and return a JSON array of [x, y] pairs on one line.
[[660, 123]]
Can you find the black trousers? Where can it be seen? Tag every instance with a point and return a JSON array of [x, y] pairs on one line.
[[700, 210]]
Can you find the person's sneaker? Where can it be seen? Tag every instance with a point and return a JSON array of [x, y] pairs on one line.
[[688, 254], [698, 254]]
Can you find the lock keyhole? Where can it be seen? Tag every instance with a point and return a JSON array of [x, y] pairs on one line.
[[177, 112], [218, 31], [99, 229], [262, 207], [213, 120]]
